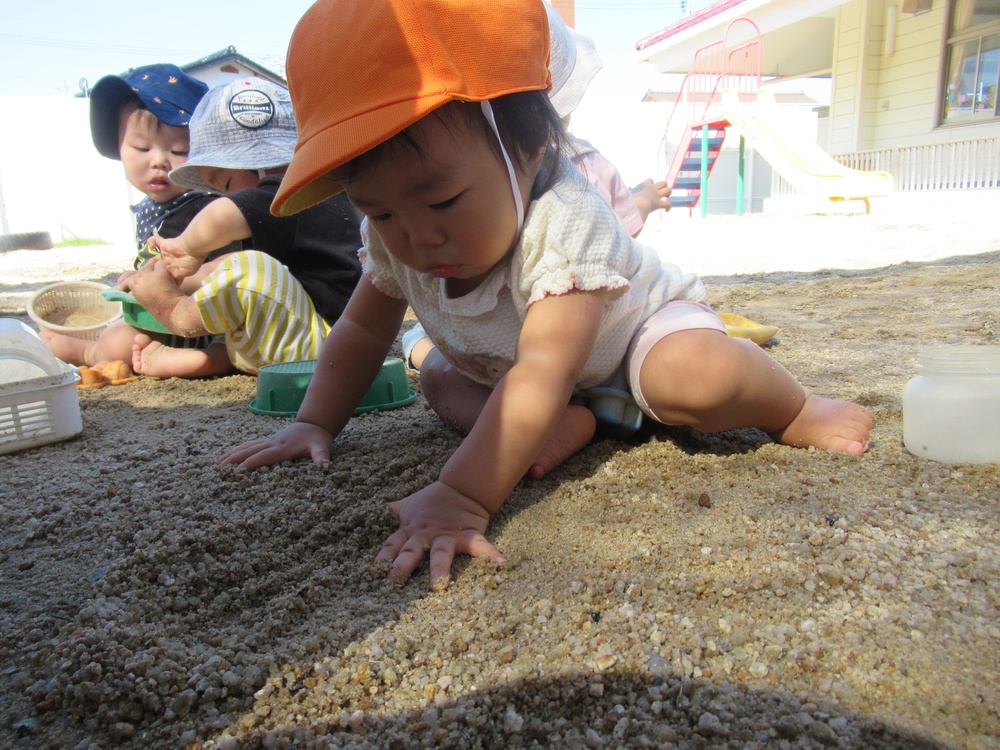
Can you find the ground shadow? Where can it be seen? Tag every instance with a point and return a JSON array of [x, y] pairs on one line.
[[654, 708]]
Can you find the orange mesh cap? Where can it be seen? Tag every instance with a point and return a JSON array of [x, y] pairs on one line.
[[361, 71]]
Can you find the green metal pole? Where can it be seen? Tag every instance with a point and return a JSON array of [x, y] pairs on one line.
[[703, 199], [739, 176]]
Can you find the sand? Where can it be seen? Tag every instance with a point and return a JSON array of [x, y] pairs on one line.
[[674, 590]]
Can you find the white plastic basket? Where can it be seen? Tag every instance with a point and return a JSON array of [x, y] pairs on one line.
[[38, 412], [38, 399], [74, 308]]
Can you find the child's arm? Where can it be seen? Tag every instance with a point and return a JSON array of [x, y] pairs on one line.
[[351, 357], [159, 293], [450, 516], [218, 224]]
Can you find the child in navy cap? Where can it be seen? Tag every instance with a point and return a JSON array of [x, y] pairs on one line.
[[164, 89], [141, 119]]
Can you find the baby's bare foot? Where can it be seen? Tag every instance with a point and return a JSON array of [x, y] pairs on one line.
[[830, 424], [151, 357], [575, 430], [148, 357]]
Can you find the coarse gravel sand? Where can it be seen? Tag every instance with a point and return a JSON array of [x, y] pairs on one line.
[[678, 590]]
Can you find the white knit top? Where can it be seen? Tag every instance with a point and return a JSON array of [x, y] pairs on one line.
[[572, 239]]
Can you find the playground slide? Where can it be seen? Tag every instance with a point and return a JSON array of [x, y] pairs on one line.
[[801, 162]]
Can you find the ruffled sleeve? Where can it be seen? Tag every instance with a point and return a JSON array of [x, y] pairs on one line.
[[573, 240]]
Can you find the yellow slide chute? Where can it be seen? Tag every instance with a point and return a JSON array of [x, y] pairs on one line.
[[800, 161]]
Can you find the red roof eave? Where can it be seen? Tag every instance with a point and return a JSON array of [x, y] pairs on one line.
[[687, 22]]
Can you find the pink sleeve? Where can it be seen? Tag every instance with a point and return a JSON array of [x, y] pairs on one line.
[[605, 177]]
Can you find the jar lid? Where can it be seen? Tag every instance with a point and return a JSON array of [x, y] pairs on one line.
[[962, 359]]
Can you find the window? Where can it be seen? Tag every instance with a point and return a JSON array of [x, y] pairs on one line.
[[973, 62]]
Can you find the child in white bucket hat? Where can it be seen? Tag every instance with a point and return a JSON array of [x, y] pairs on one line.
[[573, 63], [276, 300], [245, 125]]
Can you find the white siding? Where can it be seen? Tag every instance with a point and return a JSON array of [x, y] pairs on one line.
[[900, 92], [907, 95], [846, 78]]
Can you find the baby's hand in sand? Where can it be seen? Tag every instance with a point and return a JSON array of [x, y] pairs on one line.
[[179, 262], [442, 521], [298, 440]]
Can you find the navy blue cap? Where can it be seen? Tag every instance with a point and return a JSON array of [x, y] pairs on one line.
[[164, 89]]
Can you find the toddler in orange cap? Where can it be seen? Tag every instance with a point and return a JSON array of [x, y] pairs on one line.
[[521, 273]]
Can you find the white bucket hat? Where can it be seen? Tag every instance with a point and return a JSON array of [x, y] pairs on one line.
[[246, 124], [573, 63]]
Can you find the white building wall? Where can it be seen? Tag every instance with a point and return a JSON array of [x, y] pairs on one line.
[[51, 176]]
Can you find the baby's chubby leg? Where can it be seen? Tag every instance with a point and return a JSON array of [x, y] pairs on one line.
[[115, 343], [459, 401], [712, 382]]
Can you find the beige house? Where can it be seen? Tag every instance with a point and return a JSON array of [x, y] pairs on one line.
[[216, 69], [913, 82], [223, 66]]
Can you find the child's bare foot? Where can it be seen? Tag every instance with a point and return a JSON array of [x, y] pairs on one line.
[[151, 357], [67, 348], [575, 430], [830, 424], [154, 358]]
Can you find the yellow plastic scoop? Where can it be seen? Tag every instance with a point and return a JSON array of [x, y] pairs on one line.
[[743, 328]]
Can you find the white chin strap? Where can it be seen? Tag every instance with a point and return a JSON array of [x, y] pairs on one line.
[[515, 188]]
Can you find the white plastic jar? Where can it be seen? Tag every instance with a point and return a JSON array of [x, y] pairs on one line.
[[951, 409]]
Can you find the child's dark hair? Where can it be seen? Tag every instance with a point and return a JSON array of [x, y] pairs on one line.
[[528, 125], [142, 114], [527, 122]]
